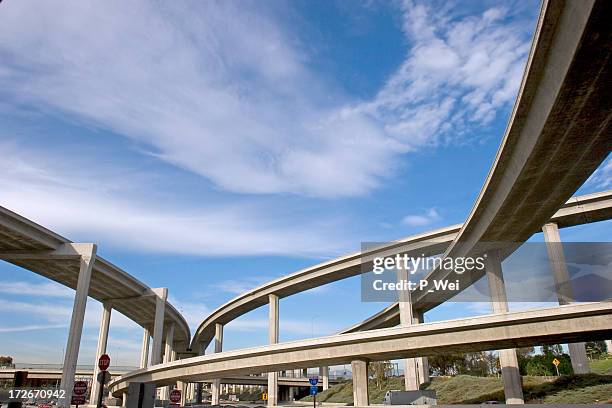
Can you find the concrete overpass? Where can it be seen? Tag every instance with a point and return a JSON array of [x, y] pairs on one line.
[[77, 266], [517, 329], [557, 135]]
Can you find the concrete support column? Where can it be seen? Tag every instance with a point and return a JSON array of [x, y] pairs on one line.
[[102, 341], [565, 295], [168, 357], [198, 393], [291, 394], [324, 374], [182, 387], [411, 374], [215, 386], [609, 346], [144, 349], [273, 339], [158, 328], [124, 400], [360, 383], [422, 362], [508, 361], [87, 258]]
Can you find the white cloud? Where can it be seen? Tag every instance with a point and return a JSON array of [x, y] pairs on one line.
[[418, 220], [240, 286], [220, 89], [115, 209], [46, 289], [32, 327], [602, 177], [458, 73]]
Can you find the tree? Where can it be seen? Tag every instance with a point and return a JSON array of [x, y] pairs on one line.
[[447, 364], [6, 361], [595, 349], [379, 370]]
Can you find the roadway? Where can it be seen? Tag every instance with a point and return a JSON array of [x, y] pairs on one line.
[[576, 322], [35, 248]]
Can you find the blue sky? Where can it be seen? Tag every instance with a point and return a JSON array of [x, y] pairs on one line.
[[208, 147]]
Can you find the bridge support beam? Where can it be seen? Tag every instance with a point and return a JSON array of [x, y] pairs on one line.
[[87, 258], [324, 374], [102, 341], [411, 374], [508, 360], [273, 338], [144, 349], [158, 328], [556, 257], [360, 383], [422, 362], [168, 357], [215, 387]]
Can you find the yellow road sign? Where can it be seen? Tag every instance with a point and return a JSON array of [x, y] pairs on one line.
[[556, 362]]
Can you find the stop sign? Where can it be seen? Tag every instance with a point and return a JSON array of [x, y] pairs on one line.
[[175, 396], [80, 388], [104, 362]]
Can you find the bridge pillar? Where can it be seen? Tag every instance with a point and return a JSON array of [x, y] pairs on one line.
[[565, 295], [508, 360], [411, 374], [158, 327], [144, 349], [422, 362], [324, 374], [102, 341], [87, 257], [168, 357], [198, 395], [360, 383], [215, 386], [273, 338]]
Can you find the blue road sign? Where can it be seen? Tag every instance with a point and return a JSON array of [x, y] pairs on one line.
[[313, 390], [314, 380]]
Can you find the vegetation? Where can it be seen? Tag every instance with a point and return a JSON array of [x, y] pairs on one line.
[[6, 361], [466, 389]]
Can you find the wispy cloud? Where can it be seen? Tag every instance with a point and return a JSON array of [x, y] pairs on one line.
[[287, 326], [32, 327], [239, 286], [458, 73], [418, 220], [116, 210], [223, 89], [601, 179], [47, 289]]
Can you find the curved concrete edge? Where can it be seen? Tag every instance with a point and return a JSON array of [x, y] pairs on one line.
[[37, 238], [315, 276], [575, 322], [580, 210], [562, 117]]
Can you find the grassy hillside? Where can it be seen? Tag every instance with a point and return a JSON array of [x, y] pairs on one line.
[[603, 367], [465, 389]]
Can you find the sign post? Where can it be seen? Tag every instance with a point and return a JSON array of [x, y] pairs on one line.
[[314, 380], [103, 364], [556, 364], [175, 397], [78, 393]]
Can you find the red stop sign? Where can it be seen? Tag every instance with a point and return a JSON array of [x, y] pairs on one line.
[[175, 396], [104, 362], [80, 388]]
